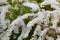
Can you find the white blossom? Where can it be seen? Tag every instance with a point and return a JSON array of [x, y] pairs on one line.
[[3, 1], [31, 5], [41, 18]]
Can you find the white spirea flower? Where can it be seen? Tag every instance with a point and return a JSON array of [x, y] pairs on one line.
[[49, 38], [43, 33], [54, 4], [42, 19], [31, 5], [3, 1], [3, 12], [58, 37], [36, 32]]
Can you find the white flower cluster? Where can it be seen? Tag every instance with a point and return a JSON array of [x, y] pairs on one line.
[[46, 22]]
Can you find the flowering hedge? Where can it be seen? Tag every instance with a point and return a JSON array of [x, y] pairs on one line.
[[29, 19]]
